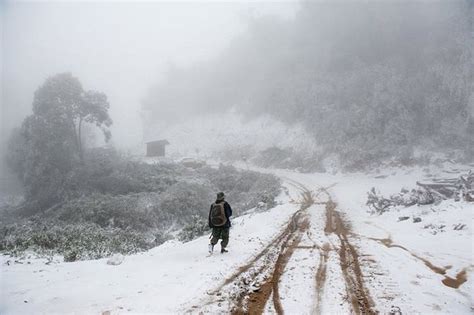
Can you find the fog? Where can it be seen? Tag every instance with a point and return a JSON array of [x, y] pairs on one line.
[[120, 49], [328, 143], [371, 80]]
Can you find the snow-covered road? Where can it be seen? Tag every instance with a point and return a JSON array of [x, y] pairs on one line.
[[423, 267], [318, 251]]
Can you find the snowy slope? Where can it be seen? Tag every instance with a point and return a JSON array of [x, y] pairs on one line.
[[323, 255], [230, 135], [162, 280]]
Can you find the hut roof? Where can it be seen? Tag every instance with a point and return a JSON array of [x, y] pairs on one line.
[[159, 142]]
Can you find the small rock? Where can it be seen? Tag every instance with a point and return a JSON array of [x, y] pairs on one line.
[[416, 220], [403, 218]]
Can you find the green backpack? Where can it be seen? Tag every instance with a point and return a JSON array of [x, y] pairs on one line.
[[218, 217]]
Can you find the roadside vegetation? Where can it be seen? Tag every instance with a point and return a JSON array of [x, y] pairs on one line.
[[87, 203]]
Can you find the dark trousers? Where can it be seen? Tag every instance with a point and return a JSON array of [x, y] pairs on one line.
[[220, 233]]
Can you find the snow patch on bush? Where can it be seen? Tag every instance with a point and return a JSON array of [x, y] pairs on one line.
[[115, 260]]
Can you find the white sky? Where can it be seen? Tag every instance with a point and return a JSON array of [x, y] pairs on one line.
[[119, 48]]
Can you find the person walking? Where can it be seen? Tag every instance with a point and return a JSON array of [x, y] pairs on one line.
[[219, 222]]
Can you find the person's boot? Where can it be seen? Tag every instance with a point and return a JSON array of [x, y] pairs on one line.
[[211, 248], [223, 250]]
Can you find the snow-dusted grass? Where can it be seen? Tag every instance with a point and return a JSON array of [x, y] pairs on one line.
[[167, 279], [175, 201]]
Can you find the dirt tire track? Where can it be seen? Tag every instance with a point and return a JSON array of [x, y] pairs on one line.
[[254, 303], [321, 275], [358, 295], [268, 265], [461, 277]]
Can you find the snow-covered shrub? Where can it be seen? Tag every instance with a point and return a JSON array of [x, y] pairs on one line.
[[289, 159], [235, 152], [116, 260], [377, 203], [380, 204], [261, 194], [424, 194], [120, 175], [104, 220], [197, 227], [122, 211], [183, 201], [355, 156], [244, 189], [273, 157], [74, 241]]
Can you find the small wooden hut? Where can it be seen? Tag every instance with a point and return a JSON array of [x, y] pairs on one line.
[[156, 148]]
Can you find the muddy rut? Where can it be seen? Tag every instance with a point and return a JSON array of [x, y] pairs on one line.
[[358, 294], [255, 302], [454, 283], [255, 285]]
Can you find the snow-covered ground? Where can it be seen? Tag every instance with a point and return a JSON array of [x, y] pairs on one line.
[[162, 280], [400, 265], [405, 263]]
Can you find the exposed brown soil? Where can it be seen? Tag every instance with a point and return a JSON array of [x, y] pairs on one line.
[[349, 261], [288, 241], [389, 243], [290, 228], [269, 265], [461, 277], [256, 301], [321, 275]]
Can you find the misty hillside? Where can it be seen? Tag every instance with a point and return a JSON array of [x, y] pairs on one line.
[[368, 81]]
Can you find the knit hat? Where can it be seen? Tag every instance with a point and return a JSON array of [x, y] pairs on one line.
[[220, 196]]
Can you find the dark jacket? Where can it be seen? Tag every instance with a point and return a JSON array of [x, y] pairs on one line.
[[228, 214]]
